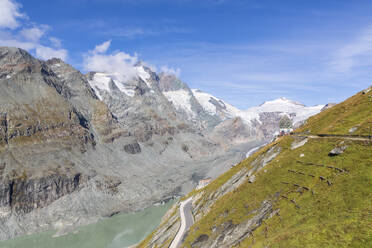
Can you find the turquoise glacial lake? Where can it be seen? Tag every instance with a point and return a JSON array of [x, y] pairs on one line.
[[119, 231]]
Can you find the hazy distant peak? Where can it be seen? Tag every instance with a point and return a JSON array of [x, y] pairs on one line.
[[281, 100]]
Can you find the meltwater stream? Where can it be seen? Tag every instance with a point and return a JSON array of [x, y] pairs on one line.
[[119, 231]]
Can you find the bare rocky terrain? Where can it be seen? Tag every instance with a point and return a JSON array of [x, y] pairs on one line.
[[71, 152]]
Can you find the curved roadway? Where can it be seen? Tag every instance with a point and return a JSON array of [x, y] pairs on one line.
[[187, 220]]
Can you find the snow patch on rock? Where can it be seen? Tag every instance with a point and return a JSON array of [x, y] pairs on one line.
[[126, 89], [203, 98], [100, 82], [144, 75], [181, 100], [215, 106]]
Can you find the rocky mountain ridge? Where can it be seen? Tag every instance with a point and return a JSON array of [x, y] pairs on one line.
[[75, 147]]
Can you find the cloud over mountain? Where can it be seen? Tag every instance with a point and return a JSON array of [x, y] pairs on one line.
[[17, 30]]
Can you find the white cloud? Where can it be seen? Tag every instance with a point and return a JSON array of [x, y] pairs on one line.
[[55, 42], [42, 52], [128, 32], [102, 48], [26, 35], [9, 14], [12, 42], [357, 53], [45, 53], [151, 66], [169, 70], [269, 77], [133, 32], [35, 33], [117, 63]]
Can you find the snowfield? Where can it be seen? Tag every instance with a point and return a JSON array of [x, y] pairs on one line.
[[145, 76], [180, 100], [100, 82], [287, 106], [207, 101]]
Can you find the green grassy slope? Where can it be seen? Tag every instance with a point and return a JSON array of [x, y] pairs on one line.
[[354, 112], [320, 201]]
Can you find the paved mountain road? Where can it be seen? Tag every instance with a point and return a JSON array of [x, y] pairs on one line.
[[187, 220]]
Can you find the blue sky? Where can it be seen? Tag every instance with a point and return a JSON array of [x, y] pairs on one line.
[[244, 52]]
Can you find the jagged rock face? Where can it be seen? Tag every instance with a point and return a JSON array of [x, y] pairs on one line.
[[169, 82], [78, 92], [22, 195], [31, 107], [35, 119]]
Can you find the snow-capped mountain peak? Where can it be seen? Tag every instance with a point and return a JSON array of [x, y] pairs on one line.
[[278, 105], [200, 107], [298, 111], [281, 102], [282, 105]]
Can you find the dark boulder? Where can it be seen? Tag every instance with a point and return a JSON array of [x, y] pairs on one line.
[[133, 148]]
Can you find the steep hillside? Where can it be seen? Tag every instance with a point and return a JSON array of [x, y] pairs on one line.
[[304, 190], [352, 117]]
